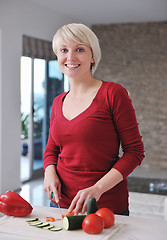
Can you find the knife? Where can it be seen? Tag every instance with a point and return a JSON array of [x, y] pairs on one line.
[[60, 210], [58, 206]]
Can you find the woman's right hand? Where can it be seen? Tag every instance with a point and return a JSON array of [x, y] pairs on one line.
[[52, 183]]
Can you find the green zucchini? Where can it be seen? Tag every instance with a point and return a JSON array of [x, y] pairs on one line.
[[55, 229], [32, 220], [35, 223], [43, 225], [48, 227], [92, 206], [73, 222]]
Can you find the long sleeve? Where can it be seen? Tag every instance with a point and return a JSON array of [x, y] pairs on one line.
[[128, 131], [52, 150]]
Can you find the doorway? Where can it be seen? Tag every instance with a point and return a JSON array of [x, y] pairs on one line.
[[41, 82]]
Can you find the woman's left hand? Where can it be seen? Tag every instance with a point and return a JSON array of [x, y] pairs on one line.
[[81, 199], [108, 181]]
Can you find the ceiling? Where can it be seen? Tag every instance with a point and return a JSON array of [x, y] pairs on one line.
[[109, 11]]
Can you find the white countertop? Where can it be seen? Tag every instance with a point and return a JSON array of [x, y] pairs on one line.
[[125, 228]]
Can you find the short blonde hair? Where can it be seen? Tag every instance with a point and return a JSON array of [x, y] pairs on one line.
[[81, 34]]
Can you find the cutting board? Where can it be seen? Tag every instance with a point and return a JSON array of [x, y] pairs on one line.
[[17, 228]]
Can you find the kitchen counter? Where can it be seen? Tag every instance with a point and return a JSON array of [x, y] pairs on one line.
[[125, 228]]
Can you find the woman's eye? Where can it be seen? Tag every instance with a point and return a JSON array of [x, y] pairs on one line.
[[80, 50], [63, 50]]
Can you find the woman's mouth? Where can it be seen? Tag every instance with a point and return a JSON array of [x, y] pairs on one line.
[[72, 65]]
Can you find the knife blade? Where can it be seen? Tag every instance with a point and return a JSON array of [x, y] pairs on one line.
[[60, 210], [58, 206]]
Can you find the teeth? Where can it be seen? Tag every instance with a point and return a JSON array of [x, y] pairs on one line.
[[72, 66]]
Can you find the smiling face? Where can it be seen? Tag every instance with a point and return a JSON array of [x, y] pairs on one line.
[[74, 59]]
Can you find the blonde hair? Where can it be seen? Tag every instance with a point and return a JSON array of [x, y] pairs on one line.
[[81, 34]]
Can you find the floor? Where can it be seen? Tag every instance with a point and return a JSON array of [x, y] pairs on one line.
[[147, 197]]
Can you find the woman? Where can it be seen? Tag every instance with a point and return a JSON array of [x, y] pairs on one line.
[[88, 123]]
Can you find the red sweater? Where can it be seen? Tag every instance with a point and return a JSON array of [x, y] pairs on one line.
[[87, 147]]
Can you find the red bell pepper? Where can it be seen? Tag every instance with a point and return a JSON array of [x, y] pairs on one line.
[[12, 204]]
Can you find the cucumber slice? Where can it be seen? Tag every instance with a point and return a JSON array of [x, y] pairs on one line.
[[43, 225], [32, 220], [55, 229], [48, 227], [73, 222], [35, 223], [92, 206]]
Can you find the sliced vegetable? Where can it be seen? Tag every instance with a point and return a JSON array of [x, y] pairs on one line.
[[92, 206], [73, 222], [32, 220], [12, 204], [43, 225], [48, 227], [68, 214], [50, 219], [93, 224], [35, 223], [55, 229]]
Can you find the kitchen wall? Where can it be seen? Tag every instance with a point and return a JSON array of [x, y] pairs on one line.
[[17, 17], [135, 55]]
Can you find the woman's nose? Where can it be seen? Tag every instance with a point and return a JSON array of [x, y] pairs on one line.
[[71, 55]]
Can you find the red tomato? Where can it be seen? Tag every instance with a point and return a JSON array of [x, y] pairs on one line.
[[107, 215], [93, 224]]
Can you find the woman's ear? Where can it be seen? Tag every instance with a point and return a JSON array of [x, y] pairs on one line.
[[92, 64]]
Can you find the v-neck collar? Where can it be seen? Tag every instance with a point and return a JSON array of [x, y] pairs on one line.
[[87, 110]]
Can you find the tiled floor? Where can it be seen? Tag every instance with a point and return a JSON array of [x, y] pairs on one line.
[[145, 200]]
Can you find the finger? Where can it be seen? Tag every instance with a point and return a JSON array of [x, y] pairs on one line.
[[49, 193], [84, 207], [73, 204], [79, 205], [55, 196]]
